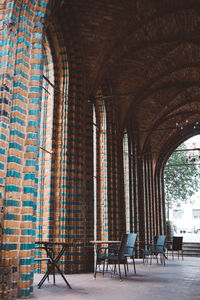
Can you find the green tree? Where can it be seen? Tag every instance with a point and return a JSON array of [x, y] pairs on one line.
[[181, 177]]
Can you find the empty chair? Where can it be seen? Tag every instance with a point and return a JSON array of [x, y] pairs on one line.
[[130, 248], [155, 250], [112, 256], [177, 245]]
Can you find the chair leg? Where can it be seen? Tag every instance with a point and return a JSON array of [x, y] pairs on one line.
[[125, 271], [127, 265], [95, 270], [107, 267], [54, 279], [114, 269], [103, 267], [119, 271], [48, 268], [134, 265], [150, 259]]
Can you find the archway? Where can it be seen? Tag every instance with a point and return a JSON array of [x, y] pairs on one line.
[[181, 180]]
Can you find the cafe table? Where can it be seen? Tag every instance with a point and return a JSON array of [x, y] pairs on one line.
[[53, 261]]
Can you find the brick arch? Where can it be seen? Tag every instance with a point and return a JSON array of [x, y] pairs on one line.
[[166, 151]]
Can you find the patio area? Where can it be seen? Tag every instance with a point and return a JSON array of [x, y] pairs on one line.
[[177, 280]]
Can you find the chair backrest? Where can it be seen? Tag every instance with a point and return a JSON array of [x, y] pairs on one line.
[[130, 245], [122, 246], [177, 243], [160, 243], [155, 238]]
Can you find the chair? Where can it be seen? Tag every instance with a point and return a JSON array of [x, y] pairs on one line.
[[47, 259], [177, 245], [112, 256], [130, 248], [153, 250]]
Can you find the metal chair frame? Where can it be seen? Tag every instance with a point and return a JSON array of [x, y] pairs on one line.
[[112, 256], [153, 250]]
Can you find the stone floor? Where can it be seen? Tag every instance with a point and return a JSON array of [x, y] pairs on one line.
[[177, 280]]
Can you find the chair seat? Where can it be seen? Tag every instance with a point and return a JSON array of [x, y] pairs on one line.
[[113, 257], [42, 259], [147, 252]]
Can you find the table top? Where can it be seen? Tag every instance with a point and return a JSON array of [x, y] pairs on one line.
[[104, 242], [51, 243]]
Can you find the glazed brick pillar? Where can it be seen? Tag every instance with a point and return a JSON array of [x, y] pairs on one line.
[[127, 183], [44, 205], [133, 198], [71, 206], [148, 199], [102, 203], [9, 210], [120, 211], [116, 198], [76, 190], [162, 204], [59, 200], [151, 195], [134, 194], [18, 238], [98, 175], [141, 211], [89, 173], [159, 204]]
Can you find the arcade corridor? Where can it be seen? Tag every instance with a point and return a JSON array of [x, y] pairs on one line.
[[94, 97]]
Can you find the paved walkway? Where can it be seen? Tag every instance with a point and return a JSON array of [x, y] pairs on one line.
[[177, 280]]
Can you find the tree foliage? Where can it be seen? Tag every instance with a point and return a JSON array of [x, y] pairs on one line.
[[181, 177]]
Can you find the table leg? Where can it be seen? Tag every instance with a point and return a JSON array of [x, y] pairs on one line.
[[53, 264], [43, 279], [63, 276]]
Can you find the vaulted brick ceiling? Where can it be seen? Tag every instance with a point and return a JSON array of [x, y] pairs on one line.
[[149, 51]]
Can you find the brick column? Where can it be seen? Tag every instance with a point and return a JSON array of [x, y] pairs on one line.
[[21, 88]]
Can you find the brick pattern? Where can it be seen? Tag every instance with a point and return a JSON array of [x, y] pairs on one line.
[[18, 246]]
